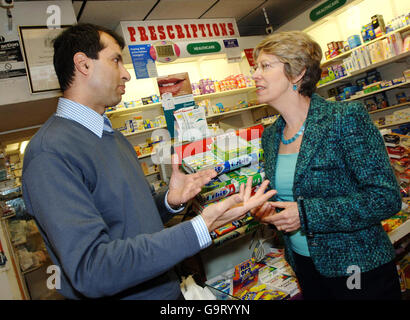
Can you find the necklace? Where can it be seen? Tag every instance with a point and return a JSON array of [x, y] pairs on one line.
[[294, 137]]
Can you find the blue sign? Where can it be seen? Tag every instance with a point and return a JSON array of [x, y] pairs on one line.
[[144, 65]]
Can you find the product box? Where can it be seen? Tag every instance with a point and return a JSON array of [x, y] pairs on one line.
[[378, 25], [230, 146], [406, 74], [354, 41], [285, 283], [368, 32], [245, 276], [373, 76]]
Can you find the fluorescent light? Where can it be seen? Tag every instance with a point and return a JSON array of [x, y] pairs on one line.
[[23, 146]]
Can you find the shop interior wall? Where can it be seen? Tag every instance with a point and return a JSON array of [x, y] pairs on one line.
[[214, 67], [16, 90], [28, 13], [350, 19]]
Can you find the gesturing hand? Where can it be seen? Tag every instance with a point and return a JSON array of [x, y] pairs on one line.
[[183, 187], [236, 206], [287, 220]]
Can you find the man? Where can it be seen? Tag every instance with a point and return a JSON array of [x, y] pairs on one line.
[[84, 186]]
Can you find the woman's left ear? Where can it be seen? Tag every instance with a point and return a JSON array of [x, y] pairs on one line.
[[299, 77]]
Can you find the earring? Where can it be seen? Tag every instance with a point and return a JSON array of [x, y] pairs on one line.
[[295, 87]]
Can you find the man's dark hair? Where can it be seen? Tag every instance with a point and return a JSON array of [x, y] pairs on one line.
[[84, 38]]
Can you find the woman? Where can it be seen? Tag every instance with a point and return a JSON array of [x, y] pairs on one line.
[[333, 178]]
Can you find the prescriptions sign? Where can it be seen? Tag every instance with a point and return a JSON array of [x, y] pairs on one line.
[[189, 37]]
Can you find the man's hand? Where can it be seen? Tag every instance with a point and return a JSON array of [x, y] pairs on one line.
[[183, 187], [236, 206], [287, 220]]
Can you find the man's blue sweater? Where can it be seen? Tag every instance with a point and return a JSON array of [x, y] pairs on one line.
[[95, 211]]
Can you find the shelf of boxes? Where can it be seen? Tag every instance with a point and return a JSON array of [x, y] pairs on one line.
[[235, 111], [142, 131], [124, 111], [224, 93], [208, 117], [363, 70], [347, 53], [403, 84], [390, 108], [400, 232], [392, 124]]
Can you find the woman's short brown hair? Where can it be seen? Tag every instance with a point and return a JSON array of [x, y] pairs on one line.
[[298, 52]]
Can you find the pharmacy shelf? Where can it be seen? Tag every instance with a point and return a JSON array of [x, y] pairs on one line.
[[390, 108], [125, 111], [235, 111], [363, 70], [208, 117], [347, 53], [392, 124], [151, 173], [224, 93], [146, 155], [381, 90], [400, 232], [142, 131]]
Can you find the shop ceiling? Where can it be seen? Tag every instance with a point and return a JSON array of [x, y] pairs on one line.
[[248, 13]]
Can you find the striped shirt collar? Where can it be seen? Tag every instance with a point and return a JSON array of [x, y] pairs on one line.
[[83, 115]]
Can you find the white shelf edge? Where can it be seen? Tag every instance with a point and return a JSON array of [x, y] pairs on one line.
[[208, 117], [392, 124], [400, 232], [199, 97]]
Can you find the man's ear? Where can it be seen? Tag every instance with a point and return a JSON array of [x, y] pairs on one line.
[[82, 63]]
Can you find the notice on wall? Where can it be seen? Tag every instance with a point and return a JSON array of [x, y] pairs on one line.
[[233, 52], [11, 60], [144, 65], [249, 56]]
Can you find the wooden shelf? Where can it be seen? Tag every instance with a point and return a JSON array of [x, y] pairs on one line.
[[344, 54]]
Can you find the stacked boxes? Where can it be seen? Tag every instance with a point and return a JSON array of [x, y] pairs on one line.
[[269, 279], [207, 85], [235, 160]]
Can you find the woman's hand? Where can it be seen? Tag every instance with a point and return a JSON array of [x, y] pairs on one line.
[[236, 206], [287, 220]]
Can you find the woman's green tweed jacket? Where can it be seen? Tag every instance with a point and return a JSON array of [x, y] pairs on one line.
[[344, 186]]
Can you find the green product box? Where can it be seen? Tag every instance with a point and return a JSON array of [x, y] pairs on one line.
[[230, 147]]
